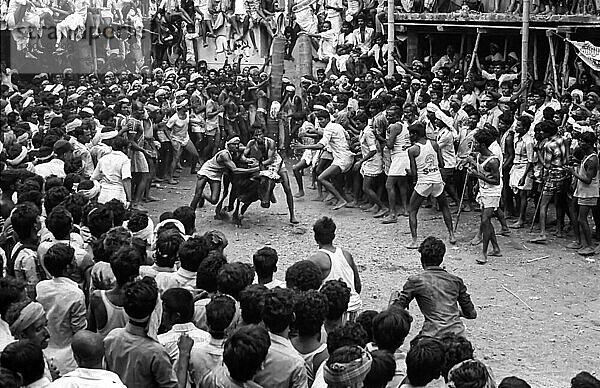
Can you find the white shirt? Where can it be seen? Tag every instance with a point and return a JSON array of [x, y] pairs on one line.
[[182, 278], [170, 338], [53, 167], [334, 137], [272, 284], [88, 378], [111, 170], [5, 335]]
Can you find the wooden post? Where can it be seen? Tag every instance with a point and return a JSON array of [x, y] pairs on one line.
[[505, 47], [305, 54], [475, 48], [553, 57], [390, 37], [462, 45], [565, 65], [535, 58], [525, 45], [412, 46]]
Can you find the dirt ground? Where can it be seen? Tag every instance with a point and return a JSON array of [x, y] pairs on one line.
[[547, 337]]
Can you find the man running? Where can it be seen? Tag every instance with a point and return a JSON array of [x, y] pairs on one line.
[[425, 163], [212, 171]]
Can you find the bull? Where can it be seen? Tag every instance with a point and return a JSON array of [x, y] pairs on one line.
[[244, 191]]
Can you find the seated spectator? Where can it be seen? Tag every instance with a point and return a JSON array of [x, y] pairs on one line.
[[25, 221], [365, 319], [471, 373], [11, 291], [382, 370], [458, 349], [303, 275], [347, 367], [584, 380], [165, 254], [190, 254], [265, 265], [206, 280], [338, 296], [424, 363], [390, 328], [513, 382], [26, 359], [252, 303]]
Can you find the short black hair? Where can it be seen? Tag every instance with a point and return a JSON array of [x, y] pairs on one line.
[[514, 382], [219, 314], [417, 129], [265, 261], [140, 298], [324, 230], [311, 309], [26, 358], [432, 251], [278, 313], [187, 216], [10, 379], [208, 271], [54, 197], [234, 277], [192, 252], [252, 303], [11, 291], [167, 245], [99, 220], [458, 349], [484, 136], [245, 351], [349, 334], [60, 222], [125, 264], [137, 221], [383, 369], [365, 319], [390, 328], [338, 297], [58, 258], [23, 219], [75, 203], [470, 373], [303, 275], [584, 380], [424, 361], [117, 208], [179, 300]]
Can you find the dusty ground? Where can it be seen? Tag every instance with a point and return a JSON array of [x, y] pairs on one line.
[[546, 338]]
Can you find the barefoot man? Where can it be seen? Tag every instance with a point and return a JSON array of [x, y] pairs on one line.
[[425, 163], [212, 171], [264, 150], [335, 137]]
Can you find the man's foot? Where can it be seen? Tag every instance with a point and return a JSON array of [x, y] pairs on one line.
[[452, 239], [516, 225], [172, 182], [560, 234], [541, 239], [467, 208], [482, 259], [587, 251], [505, 232], [312, 187], [352, 204], [476, 240], [340, 205], [29, 55], [320, 198], [381, 213], [390, 219], [200, 202], [370, 208], [299, 194], [495, 253], [138, 207], [413, 245], [158, 180], [404, 213], [150, 198], [293, 220], [574, 245]]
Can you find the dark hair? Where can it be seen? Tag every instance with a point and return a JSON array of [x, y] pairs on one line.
[[165, 216], [60, 222], [137, 221], [55, 196], [432, 251], [117, 208], [365, 319], [417, 128], [278, 313], [25, 358], [252, 303], [8, 378], [208, 271], [469, 374], [52, 181], [349, 334], [179, 300], [484, 136], [390, 328], [187, 216], [303, 275], [245, 351], [11, 291], [192, 252], [425, 361], [125, 264], [58, 258], [513, 382], [383, 369], [584, 380], [167, 245], [99, 221], [458, 349], [32, 196], [311, 309], [324, 230], [338, 297], [116, 238], [265, 261], [344, 354], [23, 219], [140, 298], [119, 143], [234, 277], [219, 314], [75, 203]]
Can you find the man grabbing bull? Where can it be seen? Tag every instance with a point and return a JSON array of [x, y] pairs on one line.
[[264, 150]]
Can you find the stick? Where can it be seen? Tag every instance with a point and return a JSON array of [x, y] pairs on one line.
[[537, 259], [535, 57], [539, 202], [462, 196], [553, 56], [565, 69], [474, 53], [517, 296]]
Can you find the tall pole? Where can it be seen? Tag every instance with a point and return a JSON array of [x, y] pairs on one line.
[[525, 42], [390, 37]]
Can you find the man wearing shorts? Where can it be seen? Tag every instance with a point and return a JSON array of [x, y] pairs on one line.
[[212, 171], [335, 137], [521, 172], [425, 162]]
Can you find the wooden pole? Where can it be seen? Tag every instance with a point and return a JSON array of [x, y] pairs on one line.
[[535, 58], [505, 47], [390, 37], [565, 65], [475, 48], [462, 45], [525, 45], [553, 56], [305, 54]]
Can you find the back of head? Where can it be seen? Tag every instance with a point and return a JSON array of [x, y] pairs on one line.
[[140, 298], [485, 136], [59, 222], [125, 264], [390, 328], [23, 219], [25, 358], [303, 275], [88, 349], [424, 361], [383, 368], [469, 374], [338, 297], [347, 366], [10, 379], [584, 380], [365, 319], [99, 221], [208, 271], [118, 211], [12, 290], [349, 334], [234, 277], [245, 351], [432, 251], [192, 252], [265, 261], [311, 309], [513, 382], [458, 349], [252, 303], [179, 303], [324, 230], [55, 196], [187, 217], [219, 314], [116, 238], [167, 246], [278, 312], [58, 258]]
